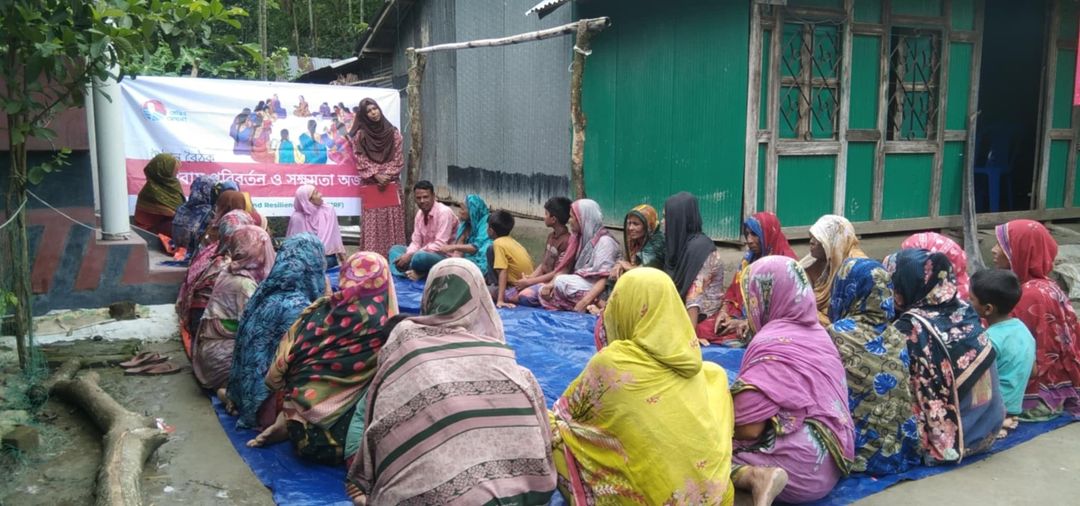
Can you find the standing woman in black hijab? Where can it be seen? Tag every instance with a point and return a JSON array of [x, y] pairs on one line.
[[379, 159], [686, 246]]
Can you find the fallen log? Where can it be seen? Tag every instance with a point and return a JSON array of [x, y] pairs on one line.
[[129, 438]]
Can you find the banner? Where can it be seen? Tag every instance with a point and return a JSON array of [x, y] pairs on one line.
[[268, 137]]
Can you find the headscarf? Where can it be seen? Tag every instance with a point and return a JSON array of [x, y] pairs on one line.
[[838, 239], [581, 246], [686, 247], [477, 228], [318, 220], [296, 280], [649, 250], [949, 357], [791, 359], [230, 200], [328, 357], [191, 216], [456, 297], [251, 252], [1030, 248], [649, 378], [771, 241], [938, 243], [876, 359], [376, 137], [162, 194]]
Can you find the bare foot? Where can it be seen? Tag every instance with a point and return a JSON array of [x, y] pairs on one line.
[[764, 483], [223, 396], [1011, 423], [704, 342], [273, 434], [411, 274], [594, 310], [1002, 434]]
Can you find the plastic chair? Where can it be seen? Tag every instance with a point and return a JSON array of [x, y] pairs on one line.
[[997, 166]]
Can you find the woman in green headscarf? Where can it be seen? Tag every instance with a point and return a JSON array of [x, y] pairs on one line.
[[160, 196]]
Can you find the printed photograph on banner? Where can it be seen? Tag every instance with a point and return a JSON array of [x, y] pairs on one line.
[[267, 137]]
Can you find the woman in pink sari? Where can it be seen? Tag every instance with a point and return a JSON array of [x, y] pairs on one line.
[[311, 214], [792, 423]]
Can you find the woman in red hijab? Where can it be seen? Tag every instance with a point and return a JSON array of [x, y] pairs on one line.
[[1027, 248], [763, 238]]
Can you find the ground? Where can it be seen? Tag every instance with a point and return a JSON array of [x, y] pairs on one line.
[[199, 465]]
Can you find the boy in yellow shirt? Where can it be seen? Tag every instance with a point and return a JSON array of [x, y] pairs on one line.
[[509, 260]]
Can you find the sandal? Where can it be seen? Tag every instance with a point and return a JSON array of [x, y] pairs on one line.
[[144, 358], [156, 369]]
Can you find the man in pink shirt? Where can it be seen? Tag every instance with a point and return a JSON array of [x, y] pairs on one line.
[[433, 227]]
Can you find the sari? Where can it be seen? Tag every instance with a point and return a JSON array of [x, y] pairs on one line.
[[686, 246], [451, 417], [160, 196], [958, 405], [595, 254], [838, 239], [319, 220], [189, 221], [202, 274], [251, 256], [649, 250], [938, 243], [475, 231], [647, 421], [875, 357], [1045, 309], [792, 379], [297, 279], [326, 361]]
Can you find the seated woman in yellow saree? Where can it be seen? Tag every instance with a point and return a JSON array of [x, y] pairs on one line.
[[646, 421]]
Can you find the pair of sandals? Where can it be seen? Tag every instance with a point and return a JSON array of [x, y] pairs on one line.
[[149, 363]]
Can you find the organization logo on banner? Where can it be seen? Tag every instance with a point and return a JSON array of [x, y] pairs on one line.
[[155, 110]]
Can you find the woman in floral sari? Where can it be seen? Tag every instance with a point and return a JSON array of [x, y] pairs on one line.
[[726, 322], [451, 418], [326, 361], [202, 274], [958, 404], [585, 272], [297, 279], [832, 241], [875, 357], [938, 243], [647, 421], [791, 403], [251, 256], [1029, 250]]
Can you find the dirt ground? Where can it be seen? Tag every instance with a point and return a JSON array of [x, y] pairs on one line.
[[199, 465]]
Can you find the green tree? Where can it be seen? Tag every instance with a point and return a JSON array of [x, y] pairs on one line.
[[50, 50]]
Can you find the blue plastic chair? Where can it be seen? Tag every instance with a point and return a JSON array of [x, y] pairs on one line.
[[997, 165]]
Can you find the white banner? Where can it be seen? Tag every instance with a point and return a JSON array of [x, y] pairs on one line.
[[268, 137]]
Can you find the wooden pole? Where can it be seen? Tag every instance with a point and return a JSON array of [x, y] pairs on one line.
[[592, 25], [971, 224], [582, 43], [417, 61]]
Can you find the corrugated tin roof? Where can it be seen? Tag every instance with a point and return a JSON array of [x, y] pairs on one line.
[[546, 7]]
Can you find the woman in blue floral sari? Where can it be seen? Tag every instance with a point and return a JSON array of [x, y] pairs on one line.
[[875, 357]]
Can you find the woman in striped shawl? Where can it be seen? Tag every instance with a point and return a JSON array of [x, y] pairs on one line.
[[451, 417]]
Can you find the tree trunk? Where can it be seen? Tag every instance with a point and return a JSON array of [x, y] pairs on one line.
[[582, 43], [17, 241], [129, 438], [417, 62]]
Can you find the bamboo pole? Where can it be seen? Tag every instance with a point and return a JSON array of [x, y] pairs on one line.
[[577, 116], [592, 25], [417, 61]]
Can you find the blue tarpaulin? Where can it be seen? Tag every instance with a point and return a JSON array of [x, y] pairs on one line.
[[555, 346]]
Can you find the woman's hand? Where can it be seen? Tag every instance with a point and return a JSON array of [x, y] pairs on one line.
[[546, 290]]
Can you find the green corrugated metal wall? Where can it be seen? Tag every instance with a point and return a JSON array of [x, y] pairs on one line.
[[665, 97]]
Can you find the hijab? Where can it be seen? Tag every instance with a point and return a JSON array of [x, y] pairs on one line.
[[162, 194], [296, 280], [791, 360], [376, 137], [332, 355], [1030, 248], [456, 297], [940, 244], [477, 228], [686, 247], [650, 246], [318, 220], [766, 227], [191, 217], [251, 252], [837, 237]]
